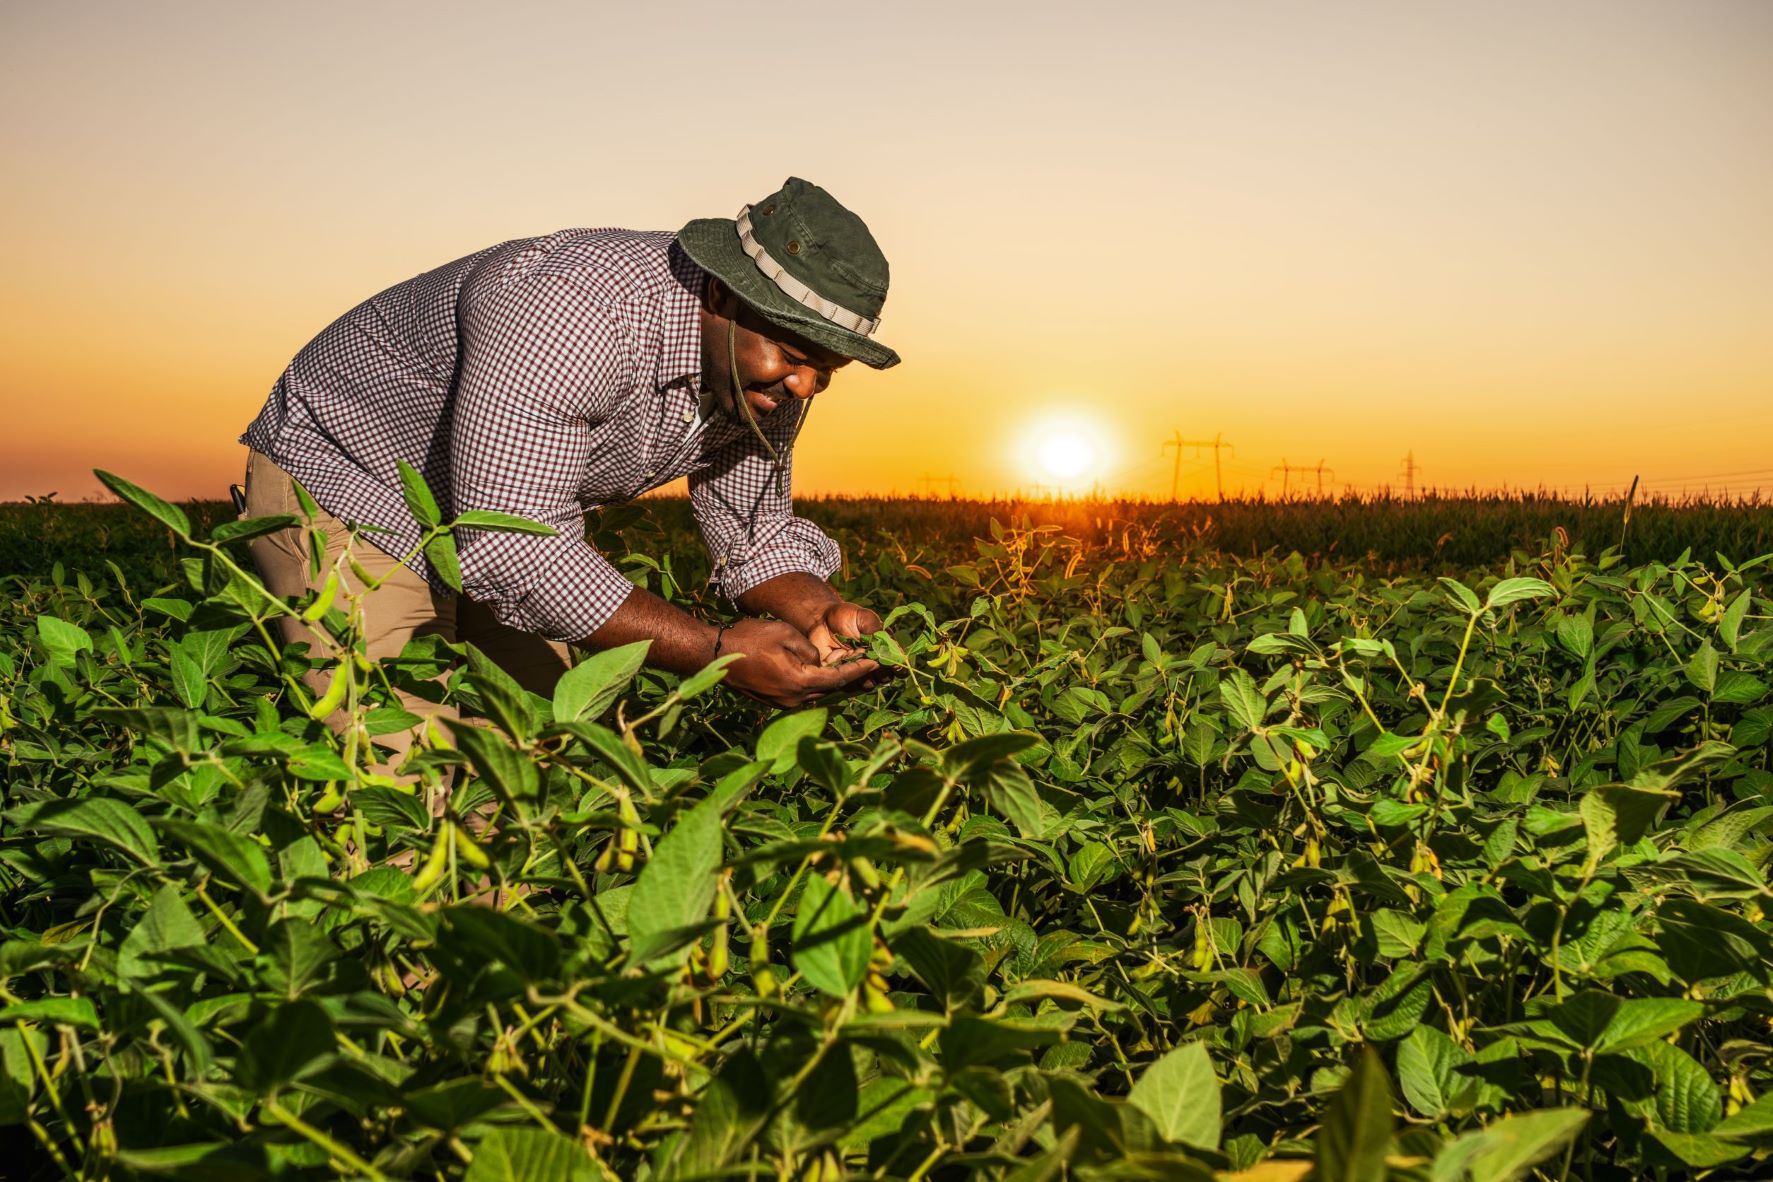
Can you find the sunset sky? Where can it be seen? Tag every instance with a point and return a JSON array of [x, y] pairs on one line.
[[1530, 243]]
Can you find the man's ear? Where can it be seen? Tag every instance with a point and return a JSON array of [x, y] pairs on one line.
[[719, 298]]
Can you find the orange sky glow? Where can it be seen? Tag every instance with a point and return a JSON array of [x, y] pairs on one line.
[[1529, 244]]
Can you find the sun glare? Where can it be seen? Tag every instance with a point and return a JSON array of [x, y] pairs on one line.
[[1066, 456], [1062, 452]]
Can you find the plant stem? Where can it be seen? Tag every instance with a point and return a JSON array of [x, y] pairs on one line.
[[339, 1152]]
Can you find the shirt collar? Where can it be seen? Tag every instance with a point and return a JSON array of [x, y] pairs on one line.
[[680, 361]]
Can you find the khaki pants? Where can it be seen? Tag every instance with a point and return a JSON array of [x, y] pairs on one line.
[[402, 608]]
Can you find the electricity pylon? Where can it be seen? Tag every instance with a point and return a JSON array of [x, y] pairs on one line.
[[1286, 470], [929, 483], [1410, 470], [1217, 443]]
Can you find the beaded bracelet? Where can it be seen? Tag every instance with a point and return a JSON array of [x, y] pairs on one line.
[[720, 634]]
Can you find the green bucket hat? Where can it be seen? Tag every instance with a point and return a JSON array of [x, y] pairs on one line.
[[802, 261]]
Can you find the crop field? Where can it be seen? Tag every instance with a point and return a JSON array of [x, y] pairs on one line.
[[1421, 841]]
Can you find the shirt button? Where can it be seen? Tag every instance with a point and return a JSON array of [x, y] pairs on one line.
[[647, 475], [689, 416]]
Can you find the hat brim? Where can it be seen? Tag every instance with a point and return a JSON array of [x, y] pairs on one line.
[[713, 245]]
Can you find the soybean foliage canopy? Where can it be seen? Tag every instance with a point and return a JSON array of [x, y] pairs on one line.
[[1153, 862]]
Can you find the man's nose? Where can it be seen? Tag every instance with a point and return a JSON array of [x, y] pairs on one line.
[[804, 381]]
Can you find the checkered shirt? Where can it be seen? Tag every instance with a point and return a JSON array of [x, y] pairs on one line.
[[542, 377]]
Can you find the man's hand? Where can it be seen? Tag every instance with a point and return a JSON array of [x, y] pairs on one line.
[[783, 667], [839, 623]]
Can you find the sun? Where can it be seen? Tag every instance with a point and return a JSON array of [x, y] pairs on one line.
[[1065, 456], [1062, 451]]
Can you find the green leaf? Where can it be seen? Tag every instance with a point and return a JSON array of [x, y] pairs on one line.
[[1068, 995], [1356, 1132], [503, 523], [196, 1046], [707, 677], [1110, 1130], [1180, 1094], [1617, 815], [18, 1074], [450, 1105], [1702, 668], [440, 552], [781, 739], [886, 1105], [178, 609], [188, 679], [964, 761], [99, 818], [1507, 1148], [293, 1041], [238, 859], [417, 494], [1687, 1100], [1576, 633], [310, 508], [1701, 941], [1642, 1020], [506, 702], [1396, 934], [1665, 775], [528, 1155], [973, 1040], [1516, 591], [1388, 744], [1700, 1150], [831, 938], [950, 970], [1049, 1166], [1397, 1005], [827, 1098], [1462, 595], [168, 515], [167, 924], [630, 768], [592, 686], [1427, 1072], [252, 527], [193, 1160], [1010, 791], [64, 1011], [1754, 1121], [388, 806], [297, 955], [61, 639], [677, 885], [1730, 626], [479, 934], [1585, 1016], [510, 773], [1243, 700], [730, 1112], [318, 762]]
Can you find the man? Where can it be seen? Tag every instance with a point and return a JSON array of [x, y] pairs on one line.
[[546, 376]]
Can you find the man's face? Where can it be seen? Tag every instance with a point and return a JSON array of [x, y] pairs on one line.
[[773, 364]]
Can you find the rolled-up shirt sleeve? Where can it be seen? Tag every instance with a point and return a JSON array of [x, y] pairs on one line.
[[540, 362], [747, 519]]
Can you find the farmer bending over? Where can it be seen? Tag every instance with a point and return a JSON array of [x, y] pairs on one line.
[[548, 376]]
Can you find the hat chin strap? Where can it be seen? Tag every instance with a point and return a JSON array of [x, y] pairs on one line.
[[793, 288]]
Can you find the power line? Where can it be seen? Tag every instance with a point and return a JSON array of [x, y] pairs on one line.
[[1286, 470], [1217, 443]]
